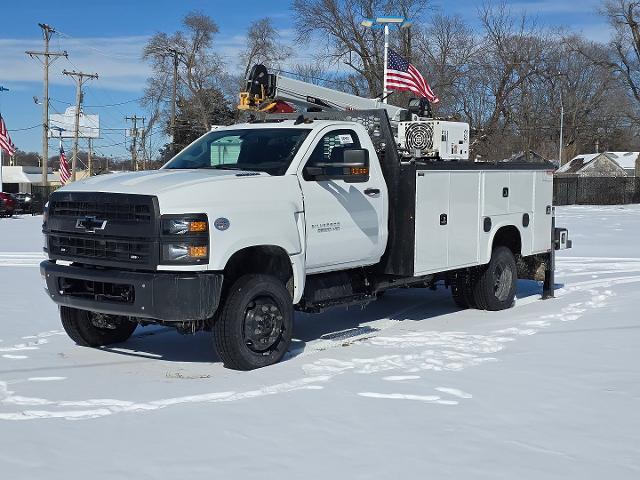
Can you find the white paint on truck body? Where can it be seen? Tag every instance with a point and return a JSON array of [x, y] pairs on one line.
[[451, 207], [333, 225]]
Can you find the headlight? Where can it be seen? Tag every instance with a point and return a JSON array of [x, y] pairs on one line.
[[183, 226], [181, 252], [185, 239]]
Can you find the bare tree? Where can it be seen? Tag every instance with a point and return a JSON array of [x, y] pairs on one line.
[[624, 17], [337, 22], [444, 51], [264, 46], [201, 77]]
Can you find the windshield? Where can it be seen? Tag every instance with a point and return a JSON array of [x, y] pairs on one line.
[[269, 150]]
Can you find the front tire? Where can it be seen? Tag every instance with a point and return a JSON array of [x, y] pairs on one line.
[[255, 325], [495, 288], [90, 329]]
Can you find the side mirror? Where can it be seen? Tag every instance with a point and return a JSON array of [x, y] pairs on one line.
[[350, 165]]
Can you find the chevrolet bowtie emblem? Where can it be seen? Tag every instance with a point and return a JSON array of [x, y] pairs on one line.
[[90, 224]]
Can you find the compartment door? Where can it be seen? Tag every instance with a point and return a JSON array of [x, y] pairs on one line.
[[432, 222], [464, 218]]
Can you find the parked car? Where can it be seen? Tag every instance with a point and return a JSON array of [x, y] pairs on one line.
[[7, 204], [24, 201]]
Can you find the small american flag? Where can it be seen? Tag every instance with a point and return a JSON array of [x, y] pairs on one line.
[[401, 75], [5, 140], [64, 167]]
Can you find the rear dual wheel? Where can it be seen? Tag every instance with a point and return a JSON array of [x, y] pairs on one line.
[[489, 287]]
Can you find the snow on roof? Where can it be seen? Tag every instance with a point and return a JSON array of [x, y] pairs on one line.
[[626, 160], [576, 163]]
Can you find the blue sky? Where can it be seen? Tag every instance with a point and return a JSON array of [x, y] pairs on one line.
[[106, 37]]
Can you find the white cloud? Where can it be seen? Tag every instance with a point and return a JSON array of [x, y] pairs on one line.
[[117, 61]]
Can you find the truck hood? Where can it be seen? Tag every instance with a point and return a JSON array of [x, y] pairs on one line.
[[156, 182]]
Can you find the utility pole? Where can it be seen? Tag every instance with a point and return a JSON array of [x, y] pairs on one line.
[[80, 79], [47, 32], [143, 140], [134, 142], [174, 96], [89, 157]]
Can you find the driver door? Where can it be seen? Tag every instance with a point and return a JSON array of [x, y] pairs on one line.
[[344, 220]]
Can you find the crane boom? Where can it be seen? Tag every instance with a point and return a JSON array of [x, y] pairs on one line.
[[418, 133], [264, 89]]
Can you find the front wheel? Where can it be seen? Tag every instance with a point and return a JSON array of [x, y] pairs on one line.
[[90, 329], [495, 287], [255, 325]]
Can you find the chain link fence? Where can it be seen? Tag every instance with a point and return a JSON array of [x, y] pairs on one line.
[[596, 190]]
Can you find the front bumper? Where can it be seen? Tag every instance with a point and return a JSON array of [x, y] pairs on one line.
[[173, 297]]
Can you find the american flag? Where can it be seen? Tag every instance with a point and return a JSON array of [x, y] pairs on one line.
[[401, 75], [64, 167], [5, 140]]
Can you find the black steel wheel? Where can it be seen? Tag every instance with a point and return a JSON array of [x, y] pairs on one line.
[[255, 324], [495, 288], [91, 329]]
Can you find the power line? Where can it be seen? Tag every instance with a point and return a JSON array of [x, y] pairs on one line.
[[102, 106], [24, 129]]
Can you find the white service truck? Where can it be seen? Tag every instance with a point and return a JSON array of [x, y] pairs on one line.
[[255, 220]]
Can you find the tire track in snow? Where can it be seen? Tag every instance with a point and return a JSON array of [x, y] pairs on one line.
[[101, 407], [21, 259], [437, 351]]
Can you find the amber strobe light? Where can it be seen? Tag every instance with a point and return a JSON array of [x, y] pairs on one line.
[[359, 171]]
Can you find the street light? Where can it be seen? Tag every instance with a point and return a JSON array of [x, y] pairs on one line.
[[384, 22], [560, 75]]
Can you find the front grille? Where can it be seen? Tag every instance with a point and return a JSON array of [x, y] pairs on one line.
[[104, 229], [104, 210], [85, 247]]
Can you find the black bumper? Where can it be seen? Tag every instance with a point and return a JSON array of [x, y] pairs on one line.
[[162, 296]]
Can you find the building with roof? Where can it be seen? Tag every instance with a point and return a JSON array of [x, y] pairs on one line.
[[605, 164], [529, 156], [629, 161], [19, 179]]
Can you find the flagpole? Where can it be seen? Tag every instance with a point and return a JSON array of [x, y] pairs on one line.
[[2, 89], [59, 159], [386, 59]]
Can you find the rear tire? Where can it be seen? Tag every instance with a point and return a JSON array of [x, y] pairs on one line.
[[495, 288], [254, 328], [85, 328]]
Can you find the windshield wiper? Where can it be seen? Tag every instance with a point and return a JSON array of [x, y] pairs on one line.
[[222, 167]]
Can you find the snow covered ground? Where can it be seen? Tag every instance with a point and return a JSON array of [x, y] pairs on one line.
[[409, 387]]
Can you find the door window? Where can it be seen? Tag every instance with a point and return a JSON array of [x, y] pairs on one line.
[[328, 148]]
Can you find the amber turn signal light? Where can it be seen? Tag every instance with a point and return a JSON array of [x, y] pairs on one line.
[[197, 227], [197, 251]]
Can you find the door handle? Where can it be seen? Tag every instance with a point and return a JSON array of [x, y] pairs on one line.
[[372, 192]]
